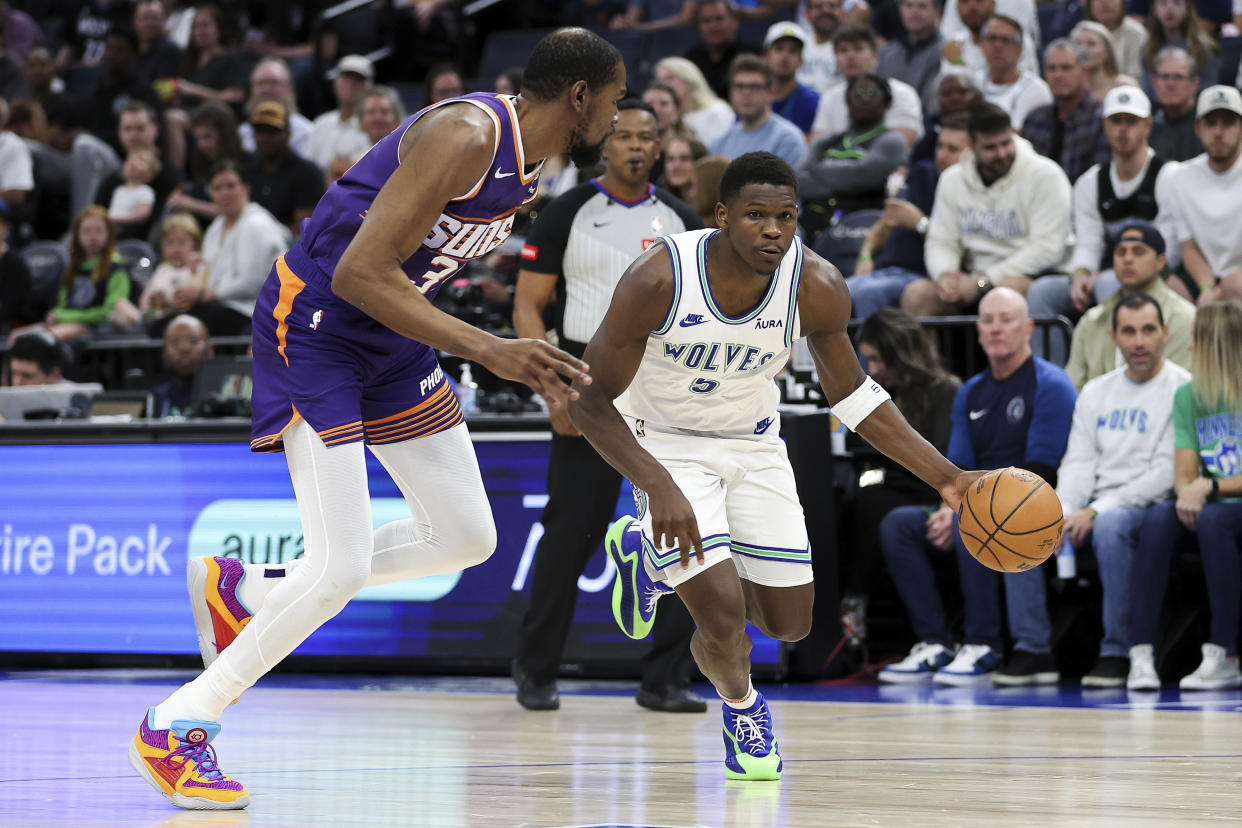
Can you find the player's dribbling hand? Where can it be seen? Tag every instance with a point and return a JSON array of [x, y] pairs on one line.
[[673, 524], [953, 493], [535, 363]]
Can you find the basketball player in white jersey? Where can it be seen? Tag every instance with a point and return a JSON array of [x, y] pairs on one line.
[[683, 404]]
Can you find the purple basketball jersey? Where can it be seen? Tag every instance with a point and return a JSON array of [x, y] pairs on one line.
[[469, 227], [321, 359]]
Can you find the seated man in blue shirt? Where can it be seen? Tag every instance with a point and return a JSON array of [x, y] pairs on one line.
[[1016, 412], [757, 127], [880, 277], [782, 50]]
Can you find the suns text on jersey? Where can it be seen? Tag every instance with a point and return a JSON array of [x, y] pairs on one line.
[[717, 356], [464, 238]]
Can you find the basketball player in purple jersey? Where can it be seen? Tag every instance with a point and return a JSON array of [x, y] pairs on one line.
[[344, 354]]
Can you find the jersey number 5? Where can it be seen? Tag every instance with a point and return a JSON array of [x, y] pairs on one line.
[[703, 385], [433, 277]]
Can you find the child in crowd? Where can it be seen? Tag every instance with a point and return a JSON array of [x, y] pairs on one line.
[[133, 201], [181, 266], [94, 290]]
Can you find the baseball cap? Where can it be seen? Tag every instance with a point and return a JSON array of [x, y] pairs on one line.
[[1127, 100], [784, 28], [1151, 236], [1219, 97], [270, 114], [357, 64]]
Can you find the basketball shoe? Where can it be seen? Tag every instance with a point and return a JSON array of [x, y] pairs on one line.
[[181, 764], [218, 613], [750, 746], [634, 592]]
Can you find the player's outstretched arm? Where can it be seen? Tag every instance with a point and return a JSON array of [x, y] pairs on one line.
[[443, 154], [639, 306], [824, 308]]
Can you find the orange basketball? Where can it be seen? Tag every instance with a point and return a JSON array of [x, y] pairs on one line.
[[1010, 520]]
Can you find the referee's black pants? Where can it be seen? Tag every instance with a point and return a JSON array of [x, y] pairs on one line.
[[582, 494]]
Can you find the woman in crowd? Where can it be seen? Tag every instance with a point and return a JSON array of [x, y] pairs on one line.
[[1207, 421], [215, 139], [1129, 35], [679, 156], [1175, 23], [900, 356], [1102, 71], [702, 111], [443, 81], [667, 105]]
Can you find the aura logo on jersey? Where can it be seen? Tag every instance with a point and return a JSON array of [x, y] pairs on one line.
[[464, 238], [269, 531]]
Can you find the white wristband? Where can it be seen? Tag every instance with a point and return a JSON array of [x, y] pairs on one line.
[[860, 403]]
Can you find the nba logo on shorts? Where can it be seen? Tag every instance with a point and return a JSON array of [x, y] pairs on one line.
[[318, 315]]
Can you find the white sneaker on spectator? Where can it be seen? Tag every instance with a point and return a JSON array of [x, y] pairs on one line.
[[919, 666], [1216, 672], [975, 664], [1143, 674]]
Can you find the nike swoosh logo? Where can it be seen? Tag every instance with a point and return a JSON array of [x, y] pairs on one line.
[[974, 415], [601, 223], [499, 174], [691, 323]]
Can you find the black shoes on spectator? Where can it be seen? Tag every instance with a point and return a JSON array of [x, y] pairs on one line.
[[535, 695], [1109, 671], [1023, 668], [671, 698]]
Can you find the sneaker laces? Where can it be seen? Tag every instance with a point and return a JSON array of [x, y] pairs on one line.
[[749, 730], [920, 652], [971, 653], [651, 595], [203, 757]]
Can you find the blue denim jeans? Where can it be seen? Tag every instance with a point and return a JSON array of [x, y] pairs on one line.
[[903, 540], [879, 289], [1051, 294], [1114, 537], [1220, 540]]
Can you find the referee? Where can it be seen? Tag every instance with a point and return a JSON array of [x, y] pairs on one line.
[[576, 251]]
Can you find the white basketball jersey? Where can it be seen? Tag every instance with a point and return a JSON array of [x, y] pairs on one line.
[[704, 371]]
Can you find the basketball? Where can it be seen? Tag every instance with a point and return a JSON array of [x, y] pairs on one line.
[[1010, 520]]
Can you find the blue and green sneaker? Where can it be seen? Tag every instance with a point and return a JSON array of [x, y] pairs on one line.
[[750, 747], [634, 593]]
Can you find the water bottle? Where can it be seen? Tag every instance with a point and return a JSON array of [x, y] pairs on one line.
[[467, 390], [1067, 567]]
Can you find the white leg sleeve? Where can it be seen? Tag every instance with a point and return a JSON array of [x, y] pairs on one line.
[[451, 528], [335, 508]]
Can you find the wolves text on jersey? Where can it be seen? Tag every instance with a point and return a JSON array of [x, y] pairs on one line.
[[717, 356]]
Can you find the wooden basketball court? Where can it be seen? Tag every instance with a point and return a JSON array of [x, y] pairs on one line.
[[343, 751]]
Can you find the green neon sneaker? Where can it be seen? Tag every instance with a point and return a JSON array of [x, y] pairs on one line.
[[750, 746], [634, 593]]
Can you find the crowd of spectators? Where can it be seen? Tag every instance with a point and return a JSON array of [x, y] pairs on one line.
[[995, 158]]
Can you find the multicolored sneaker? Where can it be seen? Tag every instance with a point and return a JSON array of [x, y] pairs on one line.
[[634, 593], [218, 613], [750, 747], [181, 764]]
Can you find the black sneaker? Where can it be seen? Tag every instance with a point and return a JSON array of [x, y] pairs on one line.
[[1109, 671], [670, 698], [1023, 668], [535, 695]]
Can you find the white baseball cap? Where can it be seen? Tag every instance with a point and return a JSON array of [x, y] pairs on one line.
[[1219, 97], [357, 64], [1127, 100], [784, 28]]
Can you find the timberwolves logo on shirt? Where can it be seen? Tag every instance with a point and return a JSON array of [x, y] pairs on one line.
[[1015, 410]]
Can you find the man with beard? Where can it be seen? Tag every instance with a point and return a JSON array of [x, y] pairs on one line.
[[576, 251], [281, 181], [819, 55], [345, 342], [1001, 217], [1205, 195], [965, 48]]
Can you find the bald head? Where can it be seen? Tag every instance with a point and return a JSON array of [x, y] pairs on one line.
[[186, 344], [1004, 328]]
